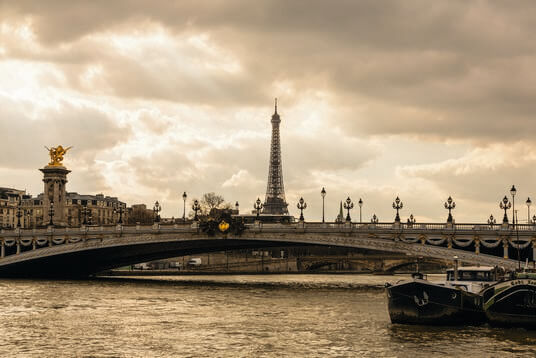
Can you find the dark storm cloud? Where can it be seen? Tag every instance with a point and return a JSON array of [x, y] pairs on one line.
[[452, 69]]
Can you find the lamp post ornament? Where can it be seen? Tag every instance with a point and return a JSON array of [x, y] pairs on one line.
[[196, 208], [360, 202], [51, 213], [529, 203], [449, 205], [19, 214], [505, 205], [301, 205], [157, 209], [397, 205], [258, 206], [323, 194], [348, 205], [184, 196], [491, 220]]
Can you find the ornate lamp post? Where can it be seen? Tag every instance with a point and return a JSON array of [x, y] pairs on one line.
[[157, 208], [28, 219], [51, 213], [184, 196], [449, 205], [84, 213], [397, 205], [534, 219], [19, 213], [528, 202], [348, 205], [301, 205], [411, 220], [491, 221], [323, 194], [374, 219], [360, 203], [120, 212], [237, 208], [196, 208], [257, 205], [513, 192], [505, 205]]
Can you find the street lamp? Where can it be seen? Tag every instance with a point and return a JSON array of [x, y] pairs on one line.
[[157, 208], [449, 205], [184, 196], [360, 202], [534, 219], [51, 213], [374, 219], [491, 221], [28, 219], [348, 205], [237, 208], [323, 194], [84, 212], [513, 192], [19, 214], [120, 211], [258, 206], [397, 205], [411, 220], [301, 205], [196, 208], [505, 205], [528, 202]]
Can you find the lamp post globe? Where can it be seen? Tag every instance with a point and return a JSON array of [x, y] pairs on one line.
[[184, 197], [360, 203], [323, 194], [301, 205], [529, 203], [348, 205]]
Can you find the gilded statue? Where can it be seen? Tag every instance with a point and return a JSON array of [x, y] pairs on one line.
[[56, 155]]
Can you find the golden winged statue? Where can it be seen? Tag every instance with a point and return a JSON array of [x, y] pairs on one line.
[[56, 155]]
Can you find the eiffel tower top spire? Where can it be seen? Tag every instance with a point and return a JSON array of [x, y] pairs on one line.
[[275, 202]]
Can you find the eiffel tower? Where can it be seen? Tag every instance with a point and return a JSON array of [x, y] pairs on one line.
[[275, 203]]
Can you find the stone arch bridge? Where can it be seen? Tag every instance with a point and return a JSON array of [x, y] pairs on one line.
[[84, 251]]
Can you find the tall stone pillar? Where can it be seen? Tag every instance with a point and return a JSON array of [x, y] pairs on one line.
[[55, 179]]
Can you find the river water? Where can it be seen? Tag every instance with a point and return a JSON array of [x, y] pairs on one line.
[[229, 316]]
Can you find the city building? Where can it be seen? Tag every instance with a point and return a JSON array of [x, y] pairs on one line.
[[56, 205]]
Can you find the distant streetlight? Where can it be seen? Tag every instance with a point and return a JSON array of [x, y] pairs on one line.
[[120, 212], [19, 213], [301, 205], [491, 221], [51, 213], [360, 203], [397, 205], [513, 192], [196, 208], [449, 205], [323, 194], [237, 208], [529, 203], [348, 205], [505, 205], [258, 206], [374, 219], [184, 197], [411, 220], [157, 208]]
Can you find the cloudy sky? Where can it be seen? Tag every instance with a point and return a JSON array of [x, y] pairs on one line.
[[378, 98]]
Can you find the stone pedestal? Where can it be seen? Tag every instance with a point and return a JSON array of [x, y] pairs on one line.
[[55, 179]]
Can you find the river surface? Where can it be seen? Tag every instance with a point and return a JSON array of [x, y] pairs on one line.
[[229, 316]]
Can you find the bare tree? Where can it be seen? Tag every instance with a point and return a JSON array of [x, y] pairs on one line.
[[211, 201]]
